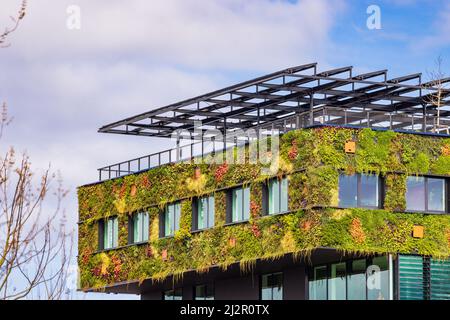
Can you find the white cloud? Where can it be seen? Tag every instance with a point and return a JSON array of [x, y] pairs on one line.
[[133, 56], [250, 34]]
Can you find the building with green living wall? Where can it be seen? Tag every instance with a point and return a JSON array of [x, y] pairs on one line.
[[341, 210]]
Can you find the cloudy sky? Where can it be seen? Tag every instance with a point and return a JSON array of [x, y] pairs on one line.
[[128, 57]]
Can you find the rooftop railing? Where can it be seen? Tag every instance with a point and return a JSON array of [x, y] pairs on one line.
[[355, 117]]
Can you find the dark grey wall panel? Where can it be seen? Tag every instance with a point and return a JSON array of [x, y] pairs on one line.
[[294, 283], [152, 295], [243, 288]]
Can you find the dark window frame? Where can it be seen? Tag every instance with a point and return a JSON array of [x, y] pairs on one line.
[[348, 271], [380, 191], [209, 288], [446, 198], [131, 220], [101, 233], [230, 204], [162, 220], [266, 195], [180, 290], [272, 287], [195, 207]]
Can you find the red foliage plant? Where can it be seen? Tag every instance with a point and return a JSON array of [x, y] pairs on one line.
[[133, 190], [86, 255], [145, 182], [293, 151], [306, 225], [448, 237], [254, 208], [220, 172], [97, 271], [123, 190], [117, 266], [356, 231], [255, 230]]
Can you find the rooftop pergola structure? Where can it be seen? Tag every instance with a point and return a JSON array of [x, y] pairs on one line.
[[289, 99], [369, 99]]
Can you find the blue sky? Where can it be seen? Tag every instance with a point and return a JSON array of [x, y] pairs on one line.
[[413, 34], [131, 56]]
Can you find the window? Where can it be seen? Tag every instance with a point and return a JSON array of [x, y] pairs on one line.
[[240, 204], [272, 286], [360, 279], [110, 233], [379, 277], [356, 280], [204, 213], [425, 194], [176, 294], [277, 196], [204, 292], [139, 227], [336, 282], [359, 190], [318, 284], [171, 219]]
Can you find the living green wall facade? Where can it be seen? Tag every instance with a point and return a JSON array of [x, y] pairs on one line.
[[311, 159]]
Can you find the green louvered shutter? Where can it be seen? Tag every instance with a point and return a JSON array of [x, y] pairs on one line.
[[440, 279], [411, 279]]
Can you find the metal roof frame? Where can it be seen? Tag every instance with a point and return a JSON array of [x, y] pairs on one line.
[[284, 93]]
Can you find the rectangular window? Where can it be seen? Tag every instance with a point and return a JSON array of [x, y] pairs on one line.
[[379, 272], [204, 292], [356, 280], [415, 194], [369, 192], [277, 196], [435, 194], [360, 279], [359, 190], [425, 194], [272, 286], [176, 294], [241, 204], [140, 224], [171, 219], [205, 212], [110, 233], [318, 284], [336, 282]]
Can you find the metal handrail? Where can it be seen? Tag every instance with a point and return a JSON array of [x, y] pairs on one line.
[[323, 115]]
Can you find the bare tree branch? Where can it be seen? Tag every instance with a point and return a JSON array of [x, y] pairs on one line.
[[15, 24], [34, 254], [35, 249], [437, 98]]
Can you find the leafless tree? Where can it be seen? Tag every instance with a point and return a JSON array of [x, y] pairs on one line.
[[436, 98], [15, 24], [35, 248]]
